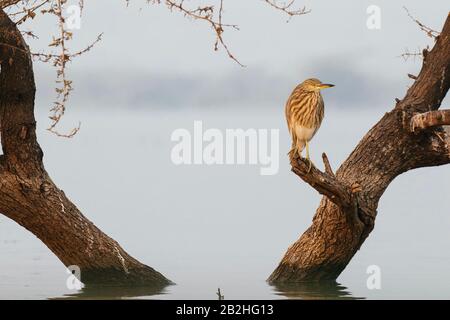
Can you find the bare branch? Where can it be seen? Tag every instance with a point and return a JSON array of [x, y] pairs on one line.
[[213, 17], [29, 12], [7, 3], [287, 8], [407, 54], [208, 14], [325, 183], [430, 32], [327, 165], [22, 10], [430, 119], [433, 81]]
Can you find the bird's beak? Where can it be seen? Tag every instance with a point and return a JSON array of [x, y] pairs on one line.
[[326, 85]]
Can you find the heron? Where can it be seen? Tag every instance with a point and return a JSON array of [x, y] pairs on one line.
[[304, 114]]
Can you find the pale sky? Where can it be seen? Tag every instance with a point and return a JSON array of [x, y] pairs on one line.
[[148, 49]]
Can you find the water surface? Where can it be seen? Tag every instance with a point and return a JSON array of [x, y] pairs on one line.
[[206, 227]]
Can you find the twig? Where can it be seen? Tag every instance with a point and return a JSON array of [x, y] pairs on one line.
[[287, 8], [430, 32], [219, 294], [407, 54], [207, 13]]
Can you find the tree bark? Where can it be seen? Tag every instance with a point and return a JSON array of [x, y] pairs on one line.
[[429, 119], [28, 195], [347, 212], [7, 3]]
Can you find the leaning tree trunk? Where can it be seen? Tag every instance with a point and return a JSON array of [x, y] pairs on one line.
[[28, 195], [409, 136]]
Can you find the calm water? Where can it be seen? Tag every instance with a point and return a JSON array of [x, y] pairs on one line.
[[206, 227]]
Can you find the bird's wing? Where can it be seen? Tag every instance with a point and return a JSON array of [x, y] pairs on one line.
[[320, 115], [288, 112]]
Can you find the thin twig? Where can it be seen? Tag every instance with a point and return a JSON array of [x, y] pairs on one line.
[[430, 32], [287, 8]]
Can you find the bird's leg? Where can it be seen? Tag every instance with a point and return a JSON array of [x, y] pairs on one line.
[[307, 156], [307, 150]]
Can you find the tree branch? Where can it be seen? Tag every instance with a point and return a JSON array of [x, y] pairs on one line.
[[328, 169], [430, 119], [433, 81], [28, 195], [385, 152], [324, 182], [17, 92], [7, 3], [287, 7], [430, 32]]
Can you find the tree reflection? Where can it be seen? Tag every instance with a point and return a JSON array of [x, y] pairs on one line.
[[314, 290], [111, 292]]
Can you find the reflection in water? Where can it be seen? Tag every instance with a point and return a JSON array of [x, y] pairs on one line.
[[103, 292], [314, 290], [303, 290]]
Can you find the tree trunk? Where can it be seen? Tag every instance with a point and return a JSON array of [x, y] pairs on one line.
[[28, 195], [405, 138]]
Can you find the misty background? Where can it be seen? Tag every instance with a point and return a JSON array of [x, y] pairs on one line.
[[153, 58], [226, 226]]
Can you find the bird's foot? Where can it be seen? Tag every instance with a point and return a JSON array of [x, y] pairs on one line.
[[293, 154], [310, 164]]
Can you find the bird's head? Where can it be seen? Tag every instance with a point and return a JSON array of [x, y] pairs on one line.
[[314, 84]]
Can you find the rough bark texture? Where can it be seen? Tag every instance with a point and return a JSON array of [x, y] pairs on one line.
[[429, 119], [348, 209], [28, 195], [7, 3]]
